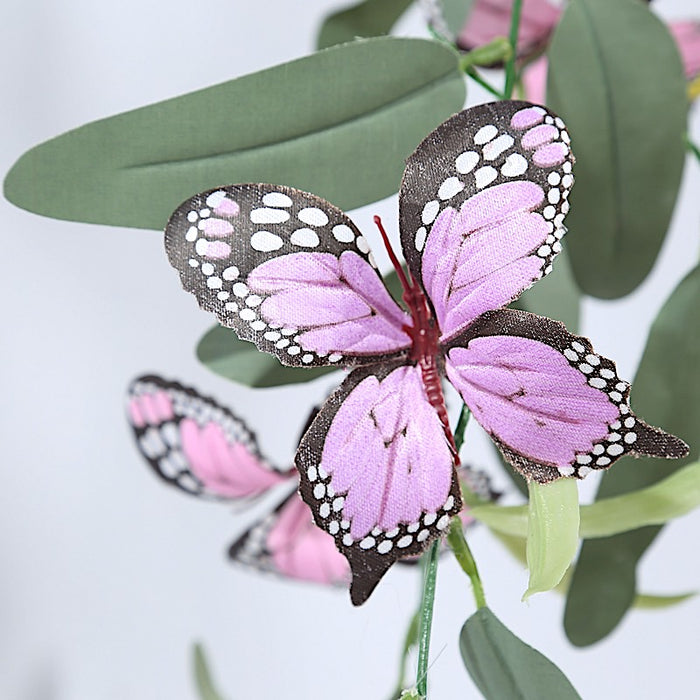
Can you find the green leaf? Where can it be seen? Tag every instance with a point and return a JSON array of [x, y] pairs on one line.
[[670, 498], [205, 685], [625, 107], [666, 392], [368, 18], [456, 13], [338, 123], [503, 667], [552, 533], [660, 602], [223, 353]]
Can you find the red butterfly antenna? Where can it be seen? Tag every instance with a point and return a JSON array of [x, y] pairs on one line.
[[425, 335]]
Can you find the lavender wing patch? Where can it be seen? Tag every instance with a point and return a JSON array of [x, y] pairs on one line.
[[482, 206], [378, 472], [287, 543], [553, 406], [195, 444], [287, 271]]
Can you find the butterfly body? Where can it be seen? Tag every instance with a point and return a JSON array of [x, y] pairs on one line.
[[481, 211]]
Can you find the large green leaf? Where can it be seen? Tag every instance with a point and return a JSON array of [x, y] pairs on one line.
[[368, 18], [503, 667], [552, 533], [223, 353], [456, 13], [205, 685], [338, 123], [669, 498], [616, 78], [666, 393]]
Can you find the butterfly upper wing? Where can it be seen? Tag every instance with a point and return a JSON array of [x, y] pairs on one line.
[[482, 205], [288, 271], [550, 402], [288, 543], [377, 471], [196, 444]]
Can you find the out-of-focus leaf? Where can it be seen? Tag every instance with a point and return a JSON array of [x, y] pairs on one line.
[[670, 498], [368, 18], [625, 107], [666, 392], [456, 13], [338, 123], [205, 685], [552, 533], [223, 353], [660, 602], [503, 667]]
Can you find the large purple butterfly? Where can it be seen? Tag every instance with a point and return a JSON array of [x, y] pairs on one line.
[[482, 204]]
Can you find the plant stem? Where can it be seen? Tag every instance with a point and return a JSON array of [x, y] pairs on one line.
[[426, 618], [463, 554], [692, 147], [513, 38], [474, 75], [461, 426], [410, 640]]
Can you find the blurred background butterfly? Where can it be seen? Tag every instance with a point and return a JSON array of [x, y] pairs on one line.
[[203, 449]]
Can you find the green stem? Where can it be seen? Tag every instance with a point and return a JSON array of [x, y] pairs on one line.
[[474, 75], [426, 618], [461, 426], [692, 147], [456, 540], [513, 38], [410, 640]]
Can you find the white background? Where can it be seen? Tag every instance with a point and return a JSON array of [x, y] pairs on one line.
[[107, 575]]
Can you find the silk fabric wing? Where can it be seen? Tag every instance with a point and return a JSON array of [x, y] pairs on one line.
[[481, 211], [202, 448]]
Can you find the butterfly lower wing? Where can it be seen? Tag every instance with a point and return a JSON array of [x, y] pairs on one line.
[[553, 406], [288, 543], [287, 271], [377, 471], [482, 205], [195, 444]]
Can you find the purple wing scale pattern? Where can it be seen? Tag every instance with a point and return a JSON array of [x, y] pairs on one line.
[[287, 271]]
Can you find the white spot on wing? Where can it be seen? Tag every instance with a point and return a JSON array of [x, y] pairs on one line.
[[343, 233], [495, 148], [275, 199], [268, 216], [514, 166], [430, 211], [485, 134], [305, 237], [265, 242], [466, 162], [485, 176], [421, 233], [313, 216], [450, 187]]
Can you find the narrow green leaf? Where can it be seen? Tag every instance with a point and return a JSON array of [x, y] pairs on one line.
[[338, 123], [667, 393], [503, 667], [552, 533], [368, 18], [223, 353], [205, 685], [626, 112], [661, 602], [670, 498]]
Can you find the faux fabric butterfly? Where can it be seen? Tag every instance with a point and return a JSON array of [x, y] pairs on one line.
[[202, 448], [481, 209]]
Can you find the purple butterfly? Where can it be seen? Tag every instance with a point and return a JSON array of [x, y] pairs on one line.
[[481, 206], [203, 449], [199, 446]]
